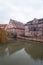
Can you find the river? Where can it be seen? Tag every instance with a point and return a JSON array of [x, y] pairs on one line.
[[21, 52]]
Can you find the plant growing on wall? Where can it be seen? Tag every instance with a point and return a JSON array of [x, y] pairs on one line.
[[12, 34]]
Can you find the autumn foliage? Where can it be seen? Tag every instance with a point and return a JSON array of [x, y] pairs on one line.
[[3, 36]]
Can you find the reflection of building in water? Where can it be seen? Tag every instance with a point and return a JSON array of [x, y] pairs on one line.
[[2, 51], [35, 50], [7, 51], [34, 27]]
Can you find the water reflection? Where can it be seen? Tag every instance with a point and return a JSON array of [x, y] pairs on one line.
[[22, 53], [20, 58], [35, 50], [2, 50]]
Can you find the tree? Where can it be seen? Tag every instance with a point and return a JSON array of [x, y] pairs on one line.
[[3, 36]]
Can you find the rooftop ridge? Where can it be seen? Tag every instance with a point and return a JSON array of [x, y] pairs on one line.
[[35, 18], [16, 21]]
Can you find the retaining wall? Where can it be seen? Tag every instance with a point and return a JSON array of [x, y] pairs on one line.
[[34, 39]]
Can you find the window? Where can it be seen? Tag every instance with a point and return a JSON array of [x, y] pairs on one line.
[[34, 29]]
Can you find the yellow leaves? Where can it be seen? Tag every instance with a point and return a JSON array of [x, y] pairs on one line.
[[3, 36]]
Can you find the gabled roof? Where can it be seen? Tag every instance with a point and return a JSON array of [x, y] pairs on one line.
[[17, 23], [39, 21]]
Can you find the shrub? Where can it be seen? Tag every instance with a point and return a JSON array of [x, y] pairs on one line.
[[12, 34]]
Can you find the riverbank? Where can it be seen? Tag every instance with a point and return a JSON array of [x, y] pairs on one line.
[[31, 38]]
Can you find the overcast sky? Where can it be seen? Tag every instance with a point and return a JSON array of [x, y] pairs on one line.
[[20, 10]]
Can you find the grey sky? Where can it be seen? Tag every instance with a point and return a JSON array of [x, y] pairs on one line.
[[21, 10]]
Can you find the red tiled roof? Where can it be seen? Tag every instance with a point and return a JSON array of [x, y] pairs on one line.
[[3, 25]]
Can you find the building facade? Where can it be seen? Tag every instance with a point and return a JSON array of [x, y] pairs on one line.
[[34, 27], [16, 27]]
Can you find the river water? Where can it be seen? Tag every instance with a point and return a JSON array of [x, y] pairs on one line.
[[21, 52]]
